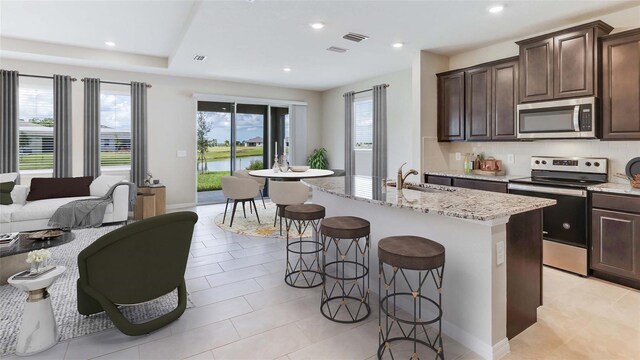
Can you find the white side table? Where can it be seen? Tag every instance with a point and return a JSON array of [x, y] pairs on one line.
[[39, 331]]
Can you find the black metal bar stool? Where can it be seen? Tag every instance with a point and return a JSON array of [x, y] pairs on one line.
[[305, 265], [345, 291], [413, 261]]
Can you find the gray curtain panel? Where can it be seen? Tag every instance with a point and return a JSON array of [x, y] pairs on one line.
[[380, 131], [92, 127], [9, 121], [349, 152], [138, 133], [62, 126]]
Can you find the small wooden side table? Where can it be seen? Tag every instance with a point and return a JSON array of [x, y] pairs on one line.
[[160, 191], [145, 206]]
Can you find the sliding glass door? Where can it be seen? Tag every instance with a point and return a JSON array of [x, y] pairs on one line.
[[230, 137]]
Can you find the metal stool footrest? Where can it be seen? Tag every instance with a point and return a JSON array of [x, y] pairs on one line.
[[303, 256], [397, 325], [345, 292]]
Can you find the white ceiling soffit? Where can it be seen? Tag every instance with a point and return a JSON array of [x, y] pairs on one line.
[[253, 41]]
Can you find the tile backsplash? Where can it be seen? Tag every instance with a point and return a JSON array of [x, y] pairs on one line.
[[618, 152]]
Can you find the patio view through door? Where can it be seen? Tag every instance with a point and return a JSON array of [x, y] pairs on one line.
[[232, 136]]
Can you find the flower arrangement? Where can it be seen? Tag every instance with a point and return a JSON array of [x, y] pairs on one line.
[[37, 258], [38, 255]]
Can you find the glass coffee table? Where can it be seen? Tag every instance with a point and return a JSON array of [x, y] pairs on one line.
[[13, 258]]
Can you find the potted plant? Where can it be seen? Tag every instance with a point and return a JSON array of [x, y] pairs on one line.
[[38, 260], [318, 159]]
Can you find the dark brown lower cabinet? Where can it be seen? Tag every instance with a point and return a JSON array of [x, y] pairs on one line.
[[494, 186], [438, 180], [615, 238]]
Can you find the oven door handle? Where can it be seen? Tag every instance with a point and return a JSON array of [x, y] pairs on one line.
[[549, 190]]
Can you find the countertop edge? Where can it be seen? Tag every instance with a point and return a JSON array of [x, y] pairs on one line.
[[452, 214]]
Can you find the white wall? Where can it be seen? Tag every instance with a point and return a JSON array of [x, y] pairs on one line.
[[171, 117], [400, 136], [619, 152]]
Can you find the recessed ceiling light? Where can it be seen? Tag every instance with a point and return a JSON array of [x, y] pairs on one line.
[[317, 25], [398, 45], [287, 69], [496, 9], [110, 43]]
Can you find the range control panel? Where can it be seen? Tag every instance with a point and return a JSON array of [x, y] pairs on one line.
[[573, 164]]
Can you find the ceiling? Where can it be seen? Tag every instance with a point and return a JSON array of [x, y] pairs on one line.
[[253, 41]]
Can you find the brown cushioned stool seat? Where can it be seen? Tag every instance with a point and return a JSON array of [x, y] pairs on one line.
[[345, 227], [411, 252], [304, 212]]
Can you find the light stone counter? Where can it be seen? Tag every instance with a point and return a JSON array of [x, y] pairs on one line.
[[614, 188], [461, 174], [441, 200]]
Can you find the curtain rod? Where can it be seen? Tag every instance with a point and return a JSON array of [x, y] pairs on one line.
[[42, 76], [363, 91], [116, 83]]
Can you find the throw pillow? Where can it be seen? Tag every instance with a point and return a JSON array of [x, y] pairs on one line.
[[53, 188], [103, 183], [5, 192]]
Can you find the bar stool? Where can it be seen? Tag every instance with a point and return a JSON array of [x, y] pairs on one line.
[[303, 251], [345, 291], [413, 261]]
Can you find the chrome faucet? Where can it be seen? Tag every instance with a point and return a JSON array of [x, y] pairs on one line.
[[402, 178]]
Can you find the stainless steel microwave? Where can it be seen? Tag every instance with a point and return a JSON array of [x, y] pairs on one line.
[[559, 119]]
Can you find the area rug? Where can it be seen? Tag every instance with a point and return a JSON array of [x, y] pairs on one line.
[[70, 322], [250, 226]]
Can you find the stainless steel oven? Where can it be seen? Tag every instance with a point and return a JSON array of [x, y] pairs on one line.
[[560, 119], [565, 243], [565, 225]]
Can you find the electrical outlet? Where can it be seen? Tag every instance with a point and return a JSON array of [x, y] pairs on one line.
[[458, 156], [181, 153], [510, 159], [500, 253]]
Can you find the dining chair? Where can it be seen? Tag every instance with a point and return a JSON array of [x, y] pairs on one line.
[[244, 174], [240, 191], [285, 193]]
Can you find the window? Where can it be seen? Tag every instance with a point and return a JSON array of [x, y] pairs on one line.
[[35, 127], [115, 130], [363, 124]]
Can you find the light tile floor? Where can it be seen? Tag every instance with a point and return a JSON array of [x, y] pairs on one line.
[[245, 311]]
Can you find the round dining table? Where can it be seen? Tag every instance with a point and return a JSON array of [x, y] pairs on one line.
[[291, 175]]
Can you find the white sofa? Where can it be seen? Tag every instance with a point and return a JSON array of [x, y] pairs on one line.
[[25, 215]]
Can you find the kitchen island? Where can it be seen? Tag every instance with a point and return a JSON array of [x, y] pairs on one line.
[[493, 242]]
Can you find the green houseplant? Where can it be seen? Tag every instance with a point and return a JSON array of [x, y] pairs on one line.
[[318, 159]]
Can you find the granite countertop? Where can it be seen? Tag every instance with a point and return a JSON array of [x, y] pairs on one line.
[[462, 174], [437, 199], [615, 188]]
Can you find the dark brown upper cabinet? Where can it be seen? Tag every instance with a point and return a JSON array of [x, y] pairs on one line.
[[563, 64], [536, 70], [621, 86], [451, 106], [504, 100], [478, 103]]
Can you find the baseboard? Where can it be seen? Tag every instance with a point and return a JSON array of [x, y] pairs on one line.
[[180, 206], [501, 349]]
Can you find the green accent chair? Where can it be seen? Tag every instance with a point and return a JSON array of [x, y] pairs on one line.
[[137, 263]]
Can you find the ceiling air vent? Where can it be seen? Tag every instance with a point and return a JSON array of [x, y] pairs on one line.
[[337, 49], [355, 37], [199, 57]]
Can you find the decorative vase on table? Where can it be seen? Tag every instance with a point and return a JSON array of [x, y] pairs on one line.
[[38, 260], [284, 163], [276, 165]]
